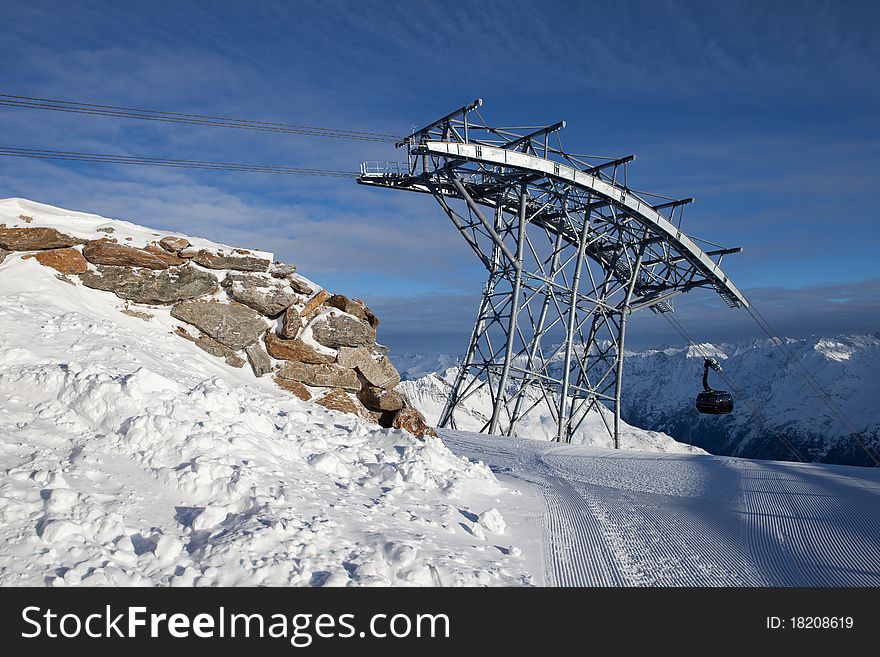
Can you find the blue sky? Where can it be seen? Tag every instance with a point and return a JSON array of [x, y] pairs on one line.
[[766, 112]]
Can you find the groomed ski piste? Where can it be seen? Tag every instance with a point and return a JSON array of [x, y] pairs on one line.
[[130, 457]]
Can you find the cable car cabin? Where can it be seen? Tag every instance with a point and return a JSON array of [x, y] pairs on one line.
[[713, 402]]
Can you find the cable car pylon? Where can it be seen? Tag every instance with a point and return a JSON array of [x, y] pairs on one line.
[[571, 251]]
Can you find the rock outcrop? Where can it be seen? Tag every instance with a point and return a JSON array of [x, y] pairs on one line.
[[149, 286], [319, 346], [296, 350], [35, 239], [335, 330], [232, 324], [107, 252], [328, 375], [267, 296], [66, 261], [238, 260]]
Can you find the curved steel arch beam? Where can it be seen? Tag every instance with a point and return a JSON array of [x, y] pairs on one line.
[[639, 209]]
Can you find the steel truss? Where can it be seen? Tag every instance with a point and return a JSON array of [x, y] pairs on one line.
[[571, 252]]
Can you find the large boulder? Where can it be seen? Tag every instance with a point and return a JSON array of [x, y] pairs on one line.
[[105, 252], [238, 260], [379, 399], [354, 307], [295, 387], [295, 350], [153, 287], [66, 261], [232, 324], [409, 419], [35, 239], [174, 244], [258, 358], [376, 370], [321, 376], [337, 330], [265, 295]]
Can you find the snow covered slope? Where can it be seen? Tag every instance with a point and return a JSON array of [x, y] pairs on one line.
[[660, 386], [130, 456], [429, 393]]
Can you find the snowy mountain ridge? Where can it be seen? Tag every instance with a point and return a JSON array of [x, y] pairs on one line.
[[660, 386]]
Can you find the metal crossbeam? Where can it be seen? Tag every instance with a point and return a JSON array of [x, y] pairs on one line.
[[570, 252]]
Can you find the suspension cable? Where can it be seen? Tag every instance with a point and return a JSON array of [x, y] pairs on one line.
[[739, 392], [780, 344], [102, 158], [27, 102]]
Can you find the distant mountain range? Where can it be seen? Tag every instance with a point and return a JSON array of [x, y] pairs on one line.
[[660, 386]]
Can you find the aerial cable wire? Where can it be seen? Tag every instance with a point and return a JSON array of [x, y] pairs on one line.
[[780, 344], [103, 158], [28, 102]]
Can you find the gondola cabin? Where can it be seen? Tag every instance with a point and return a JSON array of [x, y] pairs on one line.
[[713, 402]]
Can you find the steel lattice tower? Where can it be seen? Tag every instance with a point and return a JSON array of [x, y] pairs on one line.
[[571, 252]]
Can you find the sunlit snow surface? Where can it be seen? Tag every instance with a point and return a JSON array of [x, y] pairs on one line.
[[627, 518]]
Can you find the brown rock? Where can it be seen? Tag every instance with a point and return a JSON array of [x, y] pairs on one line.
[[169, 258], [354, 307], [105, 252], [150, 286], [379, 399], [295, 350], [106, 229], [320, 376], [258, 358], [291, 322], [409, 419], [238, 262], [173, 244], [314, 303], [35, 239], [339, 400], [3, 254], [231, 324], [338, 330], [295, 387], [67, 261]]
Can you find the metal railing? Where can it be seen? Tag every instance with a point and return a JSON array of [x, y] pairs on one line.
[[384, 169]]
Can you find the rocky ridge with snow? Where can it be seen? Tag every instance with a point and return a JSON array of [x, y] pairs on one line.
[[132, 456], [240, 306]]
